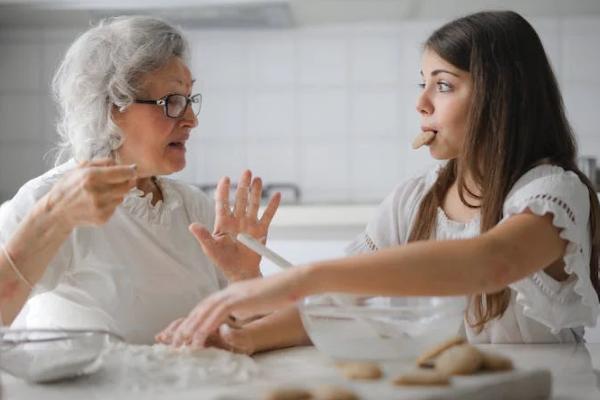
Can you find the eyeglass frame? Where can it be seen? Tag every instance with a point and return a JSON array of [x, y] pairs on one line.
[[163, 101]]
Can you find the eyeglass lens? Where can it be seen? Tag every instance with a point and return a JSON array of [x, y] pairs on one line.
[[176, 105]]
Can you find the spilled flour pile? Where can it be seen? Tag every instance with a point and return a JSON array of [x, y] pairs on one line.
[[160, 367]]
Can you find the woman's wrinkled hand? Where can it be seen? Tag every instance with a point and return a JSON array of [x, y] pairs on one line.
[[237, 261], [89, 194], [241, 299], [230, 336]]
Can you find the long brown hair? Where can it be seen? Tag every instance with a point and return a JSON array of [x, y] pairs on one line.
[[516, 121]]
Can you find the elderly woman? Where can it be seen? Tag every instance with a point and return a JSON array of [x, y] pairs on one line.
[[115, 251]]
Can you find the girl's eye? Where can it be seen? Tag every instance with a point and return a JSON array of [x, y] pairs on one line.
[[444, 86], [421, 85]]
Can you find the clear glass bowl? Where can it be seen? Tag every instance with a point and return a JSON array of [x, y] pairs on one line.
[[45, 355], [376, 328]]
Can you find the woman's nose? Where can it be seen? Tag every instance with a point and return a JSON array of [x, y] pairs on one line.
[[189, 117]]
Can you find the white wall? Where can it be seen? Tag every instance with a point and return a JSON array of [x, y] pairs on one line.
[[331, 109]]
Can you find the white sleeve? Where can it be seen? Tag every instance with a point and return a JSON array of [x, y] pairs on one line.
[[573, 302], [15, 211], [393, 219]]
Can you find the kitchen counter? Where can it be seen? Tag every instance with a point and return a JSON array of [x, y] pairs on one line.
[[575, 372], [324, 214], [320, 221]]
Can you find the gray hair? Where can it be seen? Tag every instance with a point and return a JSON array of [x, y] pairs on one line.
[[102, 68]]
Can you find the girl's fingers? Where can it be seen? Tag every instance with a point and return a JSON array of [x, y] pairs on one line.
[[209, 321], [241, 194], [271, 209], [255, 194], [166, 336], [188, 330]]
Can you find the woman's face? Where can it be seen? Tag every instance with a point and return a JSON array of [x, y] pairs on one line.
[[443, 105], [153, 141]]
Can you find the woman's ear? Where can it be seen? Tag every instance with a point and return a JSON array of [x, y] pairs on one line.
[[116, 114]]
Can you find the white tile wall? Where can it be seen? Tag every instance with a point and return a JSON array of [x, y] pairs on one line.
[[329, 108], [323, 113], [322, 60]]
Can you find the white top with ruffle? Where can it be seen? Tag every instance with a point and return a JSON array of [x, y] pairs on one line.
[[541, 310], [132, 275]]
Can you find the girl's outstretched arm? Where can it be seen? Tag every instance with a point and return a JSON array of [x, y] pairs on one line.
[[523, 244]]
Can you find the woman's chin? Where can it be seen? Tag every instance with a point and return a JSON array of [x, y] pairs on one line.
[[176, 166]]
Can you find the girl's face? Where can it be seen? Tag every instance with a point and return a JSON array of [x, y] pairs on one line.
[[153, 141], [444, 105]]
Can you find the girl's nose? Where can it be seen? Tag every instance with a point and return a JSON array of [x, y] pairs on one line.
[[424, 105]]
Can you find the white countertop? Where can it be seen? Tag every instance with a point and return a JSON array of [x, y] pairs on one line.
[[323, 215], [575, 372]]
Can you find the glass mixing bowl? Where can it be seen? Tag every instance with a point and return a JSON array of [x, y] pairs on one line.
[[45, 355], [376, 328]]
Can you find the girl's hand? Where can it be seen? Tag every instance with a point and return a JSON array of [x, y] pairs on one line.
[[237, 261], [241, 299], [90, 193]]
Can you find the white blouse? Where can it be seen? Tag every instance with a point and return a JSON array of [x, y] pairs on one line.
[[132, 275], [541, 309]]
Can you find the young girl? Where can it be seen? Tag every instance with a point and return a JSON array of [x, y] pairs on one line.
[[508, 220]]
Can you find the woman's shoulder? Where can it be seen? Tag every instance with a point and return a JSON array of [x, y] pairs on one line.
[[36, 188]]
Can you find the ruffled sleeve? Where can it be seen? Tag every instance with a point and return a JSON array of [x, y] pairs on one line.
[[574, 302], [393, 219]]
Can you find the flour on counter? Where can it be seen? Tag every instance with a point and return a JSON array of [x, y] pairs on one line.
[[160, 367]]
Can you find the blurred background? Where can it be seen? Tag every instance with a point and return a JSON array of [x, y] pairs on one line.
[[316, 96]]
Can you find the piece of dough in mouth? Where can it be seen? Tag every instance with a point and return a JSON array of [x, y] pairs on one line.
[[422, 139]]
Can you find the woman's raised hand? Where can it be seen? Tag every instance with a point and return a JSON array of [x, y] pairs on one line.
[[236, 260], [89, 194]]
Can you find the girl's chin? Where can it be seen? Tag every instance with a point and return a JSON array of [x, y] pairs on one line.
[[442, 155]]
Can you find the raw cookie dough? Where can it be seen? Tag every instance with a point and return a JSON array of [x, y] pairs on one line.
[[422, 139], [422, 377], [427, 358], [496, 362], [328, 392], [289, 393], [360, 370], [463, 359]]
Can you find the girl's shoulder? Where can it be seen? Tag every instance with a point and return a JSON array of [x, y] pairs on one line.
[[547, 174], [547, 181], [550, 188], [410, 192]]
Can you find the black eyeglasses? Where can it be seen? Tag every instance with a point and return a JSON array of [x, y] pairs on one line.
[[175, 105]]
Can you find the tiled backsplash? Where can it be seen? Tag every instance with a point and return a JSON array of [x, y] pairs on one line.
[[330, 109]]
